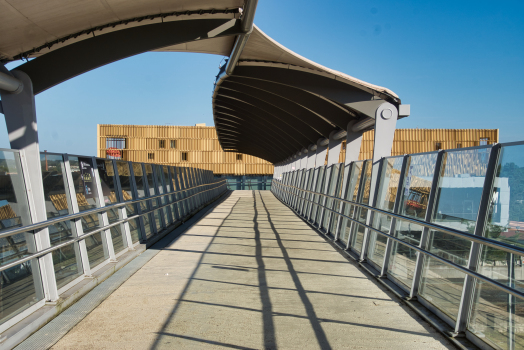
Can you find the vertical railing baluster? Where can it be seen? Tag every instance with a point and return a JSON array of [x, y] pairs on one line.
[[76, 224]]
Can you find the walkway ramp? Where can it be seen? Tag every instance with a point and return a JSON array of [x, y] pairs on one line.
[[251, 275]]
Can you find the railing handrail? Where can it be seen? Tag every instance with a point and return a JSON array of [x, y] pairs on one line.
[[79, 238], [468, 236], [55, 220]]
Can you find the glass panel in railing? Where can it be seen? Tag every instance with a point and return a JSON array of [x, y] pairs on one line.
[[323, 189], [303, 194], [161, 190], [413, 203], [66, 260], [150, 183], [147, 225], [158, 220], [351, 195], [457, 201], [342, 177], [183, 186], [361, 213], [124, 175], [53, 172], [106, 174], [140, 182], [159, 176], [87, 197], [20, 284], [387, 194], [298, 193], [309, 196], [331, 191], [496, 315], [318, 188], [165, 171], [176, 196]]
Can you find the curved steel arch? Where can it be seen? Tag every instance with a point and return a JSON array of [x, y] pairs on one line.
[[359, 101], [69, 61], [334, 112], [246, 126], [305, 115], [241, 113], [245, 133], [263, 114], [286, 117]]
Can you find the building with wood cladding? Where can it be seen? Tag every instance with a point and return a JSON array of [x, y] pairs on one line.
[[198, 146]]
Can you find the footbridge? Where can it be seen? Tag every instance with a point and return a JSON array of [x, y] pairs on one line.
[[414, 251]]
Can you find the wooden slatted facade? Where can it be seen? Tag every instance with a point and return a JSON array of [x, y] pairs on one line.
[[198, 146], [408, 141]]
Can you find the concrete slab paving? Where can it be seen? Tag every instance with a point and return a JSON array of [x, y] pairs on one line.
[[251, 275]]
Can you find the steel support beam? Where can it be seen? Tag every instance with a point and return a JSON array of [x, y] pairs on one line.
[[311, 156], [385, 125], [320, 157], [20, 117]]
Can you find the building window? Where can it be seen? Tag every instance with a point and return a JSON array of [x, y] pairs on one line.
[[173, 143], [484, 141], [114, 147], [116, 142], [184, 156], [459, 145], [239, 157], [150, 156], [162, 143], [438, 145]]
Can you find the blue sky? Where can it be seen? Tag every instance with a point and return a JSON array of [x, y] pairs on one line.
[[459, 64]]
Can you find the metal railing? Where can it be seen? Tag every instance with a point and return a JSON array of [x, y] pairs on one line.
[[449, 227], [482, 240], [65, 222]]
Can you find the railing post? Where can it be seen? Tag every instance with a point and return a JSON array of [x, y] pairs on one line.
[[393, 224], [476, 248], [20, 118], [425, 232], [76, 224]]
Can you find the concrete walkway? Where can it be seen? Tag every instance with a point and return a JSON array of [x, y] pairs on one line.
[[251, 275]]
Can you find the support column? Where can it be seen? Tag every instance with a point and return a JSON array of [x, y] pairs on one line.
[[20, 117], [335, 144], [320, 156], [311, 156], [353, 143], [304, 158], [385, 125]]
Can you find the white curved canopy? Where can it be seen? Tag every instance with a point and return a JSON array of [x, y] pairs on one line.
[[29, 24]]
